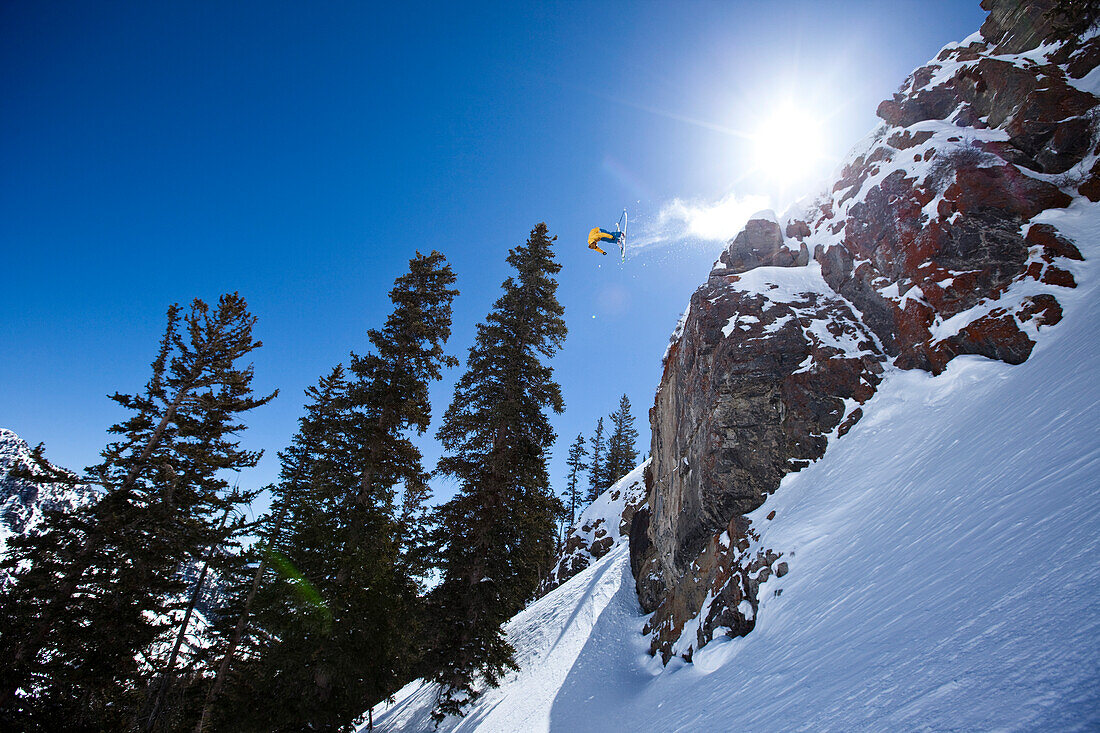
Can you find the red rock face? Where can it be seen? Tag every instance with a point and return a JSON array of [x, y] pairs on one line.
[[924, 249], [948, 221], [766, 368]]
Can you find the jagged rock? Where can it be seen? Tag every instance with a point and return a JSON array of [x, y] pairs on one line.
[[1015, 26], [762, 377], [950, 227], [1078, 59], [761, 374], [1090, 189], [906, 139], [924, 249], [760, 244], [930, 104], [723, 594]]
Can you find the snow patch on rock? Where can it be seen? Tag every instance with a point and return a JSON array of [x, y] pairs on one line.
[[603, 526]]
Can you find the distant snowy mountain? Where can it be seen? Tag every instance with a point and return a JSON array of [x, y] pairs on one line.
[[23, 503], [22, 508], [872, 500]]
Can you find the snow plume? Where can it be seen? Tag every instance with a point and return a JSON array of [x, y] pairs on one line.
[[716, 221]]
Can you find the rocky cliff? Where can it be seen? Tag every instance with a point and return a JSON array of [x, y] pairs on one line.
[[925, 248]]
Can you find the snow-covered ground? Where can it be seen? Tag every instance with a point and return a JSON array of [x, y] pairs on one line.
[[944, 573]]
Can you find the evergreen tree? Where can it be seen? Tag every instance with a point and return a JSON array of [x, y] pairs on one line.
[[345, 610], [173, 694], [93, 589], [262, 603], [597, 467], [576, 465], [495, 538], [621, 455]]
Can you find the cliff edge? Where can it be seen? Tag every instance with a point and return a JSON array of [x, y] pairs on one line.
[[929, 245]]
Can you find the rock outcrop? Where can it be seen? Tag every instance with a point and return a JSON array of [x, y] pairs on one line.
[[602, 526], [926, 247]]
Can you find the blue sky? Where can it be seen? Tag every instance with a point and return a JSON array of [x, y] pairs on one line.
[[301, 153]]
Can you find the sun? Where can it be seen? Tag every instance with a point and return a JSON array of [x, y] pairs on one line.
[[788, 145]]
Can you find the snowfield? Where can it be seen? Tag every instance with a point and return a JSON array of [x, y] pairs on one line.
[[944, 573]]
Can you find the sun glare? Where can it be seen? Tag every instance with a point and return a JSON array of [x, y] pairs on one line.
[[788, 146]]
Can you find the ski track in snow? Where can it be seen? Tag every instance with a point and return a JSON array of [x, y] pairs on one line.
[[944, 573]]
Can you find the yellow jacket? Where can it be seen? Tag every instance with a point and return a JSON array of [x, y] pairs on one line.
[[598, 235]]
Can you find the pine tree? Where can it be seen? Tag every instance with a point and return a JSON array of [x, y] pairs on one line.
[[172, 697], [375, 590], [92, 590], [263, 600], [621, 455], [345, 610], [576, 465], [495, 538], [597, 467]]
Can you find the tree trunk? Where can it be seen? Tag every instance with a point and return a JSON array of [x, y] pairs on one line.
[[169, 671], [238, 633]]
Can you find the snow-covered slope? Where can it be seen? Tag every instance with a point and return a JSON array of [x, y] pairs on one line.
[[945, 573]]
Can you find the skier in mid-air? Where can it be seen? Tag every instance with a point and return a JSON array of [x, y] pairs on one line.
[[598, 235], [618, 237]]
